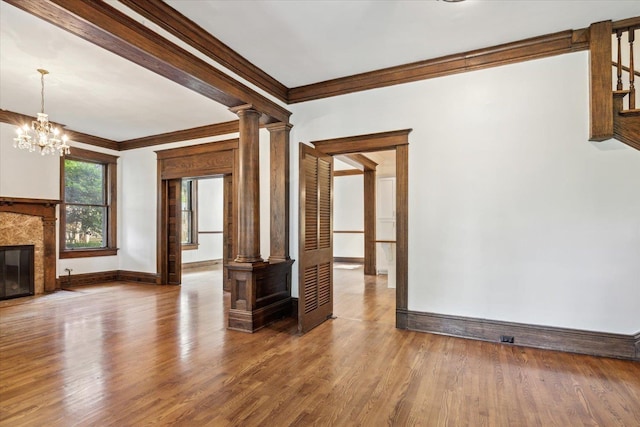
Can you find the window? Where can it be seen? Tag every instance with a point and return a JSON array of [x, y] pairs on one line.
[[88, 208], [189, 198]]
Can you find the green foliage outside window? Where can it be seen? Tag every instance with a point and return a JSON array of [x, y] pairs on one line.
[[86, 204]]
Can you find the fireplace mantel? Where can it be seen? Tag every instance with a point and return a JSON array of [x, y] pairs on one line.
[[46, 209]]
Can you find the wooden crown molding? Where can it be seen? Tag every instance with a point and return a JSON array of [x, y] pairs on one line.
[[195, 36], [523, 50], [105, 26]]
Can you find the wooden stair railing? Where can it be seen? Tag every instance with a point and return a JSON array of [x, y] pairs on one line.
[[613, 111]]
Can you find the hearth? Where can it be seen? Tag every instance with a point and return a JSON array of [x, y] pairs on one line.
[[16, 271]]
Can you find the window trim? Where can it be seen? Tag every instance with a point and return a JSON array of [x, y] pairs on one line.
[[111, 163], [194, 216]]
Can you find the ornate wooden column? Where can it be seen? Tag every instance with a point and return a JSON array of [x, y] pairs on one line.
[[260, 291], [248, 185], [279, 133]]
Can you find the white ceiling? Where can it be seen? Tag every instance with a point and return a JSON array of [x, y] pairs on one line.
[[297, 42], [302, 42]]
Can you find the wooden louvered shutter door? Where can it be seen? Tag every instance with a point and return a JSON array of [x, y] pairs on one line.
[[315, 303]]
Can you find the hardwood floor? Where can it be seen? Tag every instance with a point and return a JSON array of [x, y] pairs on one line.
[[126, 354]]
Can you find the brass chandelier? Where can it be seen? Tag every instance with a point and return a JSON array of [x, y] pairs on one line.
[[42, 134]]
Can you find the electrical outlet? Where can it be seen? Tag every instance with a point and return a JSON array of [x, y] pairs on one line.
[[507, 338]]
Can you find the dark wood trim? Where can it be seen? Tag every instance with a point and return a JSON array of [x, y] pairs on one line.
[[137, 276], [107, 27], [546, 337], [191, 33], [195, 150], [370, 206], [636, 339], [626, 23], [46, 209], [17, 201], [523, 50], [189, 246], [402, 227], [364, 161], [18, 119], [348, 231], [363, 143], [399, 141], [347, 172], [210, 232], [195, 265], [348, 259], [99, 277], [111, 163], [206, 131], [600, 77]]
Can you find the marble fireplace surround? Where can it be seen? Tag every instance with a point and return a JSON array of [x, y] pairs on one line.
[[32, 222]]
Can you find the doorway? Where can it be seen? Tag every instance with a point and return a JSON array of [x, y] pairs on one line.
[[394, 140], [174, 165]]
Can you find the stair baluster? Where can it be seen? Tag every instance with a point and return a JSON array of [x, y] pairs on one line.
[[632, 88], [619, 64]]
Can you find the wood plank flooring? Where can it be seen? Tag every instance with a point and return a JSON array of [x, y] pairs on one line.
[[125, 354]]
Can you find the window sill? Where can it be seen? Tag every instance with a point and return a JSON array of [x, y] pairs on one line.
[[189, 246], [86, 253]]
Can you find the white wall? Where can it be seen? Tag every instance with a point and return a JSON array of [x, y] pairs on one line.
[[513, 214], [210, 211], [348, 215]]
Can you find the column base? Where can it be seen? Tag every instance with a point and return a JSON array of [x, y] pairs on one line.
[[260, 294]]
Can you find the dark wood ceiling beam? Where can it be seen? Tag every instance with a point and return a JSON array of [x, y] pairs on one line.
[[18, 119], [182, 135], [364, 161], [523, 50], [105, 26], [166, 17], [363, 143]]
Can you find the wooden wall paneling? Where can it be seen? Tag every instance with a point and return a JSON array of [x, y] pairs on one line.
[[191, 33], [370, 222], [600, 77], [279, 200], [105, 26], [547, 337], [523, 50]]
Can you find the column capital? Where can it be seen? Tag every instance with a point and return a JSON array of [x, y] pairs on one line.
[[244, 109], [278, 126]]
